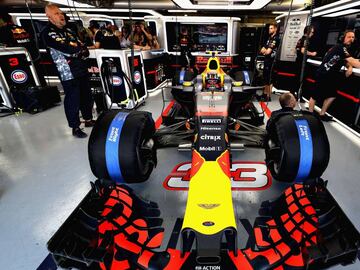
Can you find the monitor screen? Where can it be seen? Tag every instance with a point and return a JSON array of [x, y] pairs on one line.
[[196, 37]]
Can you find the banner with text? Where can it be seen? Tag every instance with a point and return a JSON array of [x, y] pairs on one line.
[[293, 32]]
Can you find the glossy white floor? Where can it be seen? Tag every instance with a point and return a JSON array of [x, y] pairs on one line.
[[44, 174]]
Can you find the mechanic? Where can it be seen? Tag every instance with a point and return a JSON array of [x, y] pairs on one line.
[[287, 102], [12, 35], [327, 73], [300, 50], [186, 44], [69, 54], [269, 51]]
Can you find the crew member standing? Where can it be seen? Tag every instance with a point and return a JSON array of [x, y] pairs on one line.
[[269, 51], [69, 54], [300, 51], [13, 35], [327, 73]]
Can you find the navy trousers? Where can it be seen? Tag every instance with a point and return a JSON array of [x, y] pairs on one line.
[[77, 98]]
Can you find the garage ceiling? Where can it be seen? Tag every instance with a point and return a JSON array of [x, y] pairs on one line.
[[163, 5]]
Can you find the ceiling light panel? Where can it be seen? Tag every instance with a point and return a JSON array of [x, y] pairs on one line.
[[338, 8], [343, 12], [255, 5]]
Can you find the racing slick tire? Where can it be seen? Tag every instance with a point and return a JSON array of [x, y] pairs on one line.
[[245, 76], [182, 76], [296, 146], [121, 147]]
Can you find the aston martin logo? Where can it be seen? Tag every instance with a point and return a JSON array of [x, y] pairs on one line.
[[208, 206]]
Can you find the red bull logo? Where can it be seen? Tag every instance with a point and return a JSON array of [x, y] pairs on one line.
[[18, 30], [117, 81], [19, 76]]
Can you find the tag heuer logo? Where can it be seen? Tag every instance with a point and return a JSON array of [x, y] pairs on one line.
[[208, 206]]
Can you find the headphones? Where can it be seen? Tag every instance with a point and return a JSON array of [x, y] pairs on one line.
[[342, 37]]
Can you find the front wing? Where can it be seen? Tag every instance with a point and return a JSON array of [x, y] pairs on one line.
[[112, 228]]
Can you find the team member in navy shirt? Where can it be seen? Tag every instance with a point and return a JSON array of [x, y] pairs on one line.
[[69, 54], [269, 51], [300, 51], [326, 74]]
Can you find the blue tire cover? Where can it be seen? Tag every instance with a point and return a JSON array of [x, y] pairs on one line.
[[296, 146], [115, 146]]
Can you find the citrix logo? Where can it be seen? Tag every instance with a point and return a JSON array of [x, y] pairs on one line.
[[210, 137]]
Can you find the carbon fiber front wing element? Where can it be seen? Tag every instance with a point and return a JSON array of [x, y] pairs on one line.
[[112, 228]]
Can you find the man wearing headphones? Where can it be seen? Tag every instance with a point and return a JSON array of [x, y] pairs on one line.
[[326, 74]]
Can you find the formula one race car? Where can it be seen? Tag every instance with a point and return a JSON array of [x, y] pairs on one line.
[[214, 79], [113, 228]]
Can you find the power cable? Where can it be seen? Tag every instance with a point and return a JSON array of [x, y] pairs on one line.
[[131, 90], [302, 73], [38, 58], [35, 33]]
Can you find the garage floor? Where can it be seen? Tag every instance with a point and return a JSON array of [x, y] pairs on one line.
[[44, 174]]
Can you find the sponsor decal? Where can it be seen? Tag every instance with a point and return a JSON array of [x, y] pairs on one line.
[[208, 267], [208, 206], [208, 223], [19, 76], [210, 128], [18, 30], [211, 121], [304, 132], [207, 137], [93, 69], [210, 148], [245, 175], [114, 134], [117, 81], [216, 98], [137, 77], [19, 41]]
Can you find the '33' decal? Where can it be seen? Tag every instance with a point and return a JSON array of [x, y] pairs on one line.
[[245, 175]]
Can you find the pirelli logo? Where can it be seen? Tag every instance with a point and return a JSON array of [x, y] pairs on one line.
[[211, 121]]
